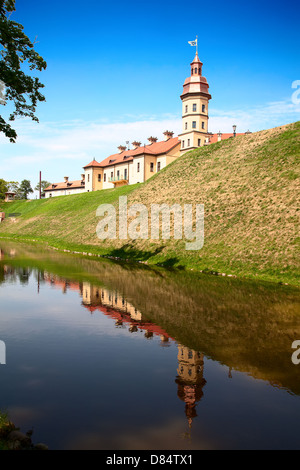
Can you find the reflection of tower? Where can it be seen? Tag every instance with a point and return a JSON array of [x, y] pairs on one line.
[[190, 380]]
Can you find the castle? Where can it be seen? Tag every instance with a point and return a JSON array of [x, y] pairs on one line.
[[136, 165]]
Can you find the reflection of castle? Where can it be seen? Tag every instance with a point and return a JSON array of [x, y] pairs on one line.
[[190, 379], [93, 296], [115, 305]]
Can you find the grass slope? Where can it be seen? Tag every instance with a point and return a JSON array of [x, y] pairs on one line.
[[250, 190]]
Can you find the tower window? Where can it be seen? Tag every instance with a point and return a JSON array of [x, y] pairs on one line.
[[203, 125], [194, 107], [151, 167], [158, 166], [183, 144], [112, 175], [138, 167], [185, 125], [199, 142], [104, 177], [194, 124], [189, 142], [196, 70], [186, 108], [203, 108], [88, 177], [99, 178]]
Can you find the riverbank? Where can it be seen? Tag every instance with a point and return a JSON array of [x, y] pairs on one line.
[[249, 187]]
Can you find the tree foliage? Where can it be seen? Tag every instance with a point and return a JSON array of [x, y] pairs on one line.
[[44, 185], [25, 189], [6, 186], [16, 50]]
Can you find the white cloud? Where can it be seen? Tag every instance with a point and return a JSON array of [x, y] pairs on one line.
[[63, 148]]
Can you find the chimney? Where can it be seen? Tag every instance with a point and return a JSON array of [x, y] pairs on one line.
[[66, 178], [152, 140], [168, 135], [122, 148], [136, 144]]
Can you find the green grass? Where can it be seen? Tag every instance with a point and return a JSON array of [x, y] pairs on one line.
[[250, 190]]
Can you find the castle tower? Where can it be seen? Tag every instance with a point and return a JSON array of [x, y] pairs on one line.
[[195, 98]]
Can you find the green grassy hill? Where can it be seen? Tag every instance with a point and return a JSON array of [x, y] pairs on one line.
[[249, 186]]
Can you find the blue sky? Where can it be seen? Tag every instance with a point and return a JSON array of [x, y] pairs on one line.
[[116, 69]]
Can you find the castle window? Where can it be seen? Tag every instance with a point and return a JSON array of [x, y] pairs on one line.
[[196, 71], [138, 167], [151, 167], [203, 108], [125, 174], [118, 174], [112, 175], [194, 107], [194, 125], [199, 142], [183, 144], [186, 109], [203, 125], [158, 166], [99, 178], [104, 177], [185, 125], [88, 177], [189, 142]]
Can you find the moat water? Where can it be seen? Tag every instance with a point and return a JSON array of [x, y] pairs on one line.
[[106, 355]]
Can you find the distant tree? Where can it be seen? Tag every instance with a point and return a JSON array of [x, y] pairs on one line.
[[6, 186], [14, 187], [25, 189], [16, 50], [44, 184], [3, 188]]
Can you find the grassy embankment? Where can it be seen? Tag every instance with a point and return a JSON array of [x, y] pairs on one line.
[[250, 190]]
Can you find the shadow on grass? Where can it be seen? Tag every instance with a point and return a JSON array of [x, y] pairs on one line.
[[129, 253]]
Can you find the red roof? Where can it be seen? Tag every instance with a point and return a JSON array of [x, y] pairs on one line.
[[65, 185], [157, 148], [93, 163], [214, 137]]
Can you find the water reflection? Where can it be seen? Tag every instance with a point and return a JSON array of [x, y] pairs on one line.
[[242, 326]]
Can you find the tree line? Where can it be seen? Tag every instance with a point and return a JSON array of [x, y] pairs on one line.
[[21, 190]]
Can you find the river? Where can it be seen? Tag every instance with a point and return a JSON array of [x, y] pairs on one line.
[[117, 356]]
